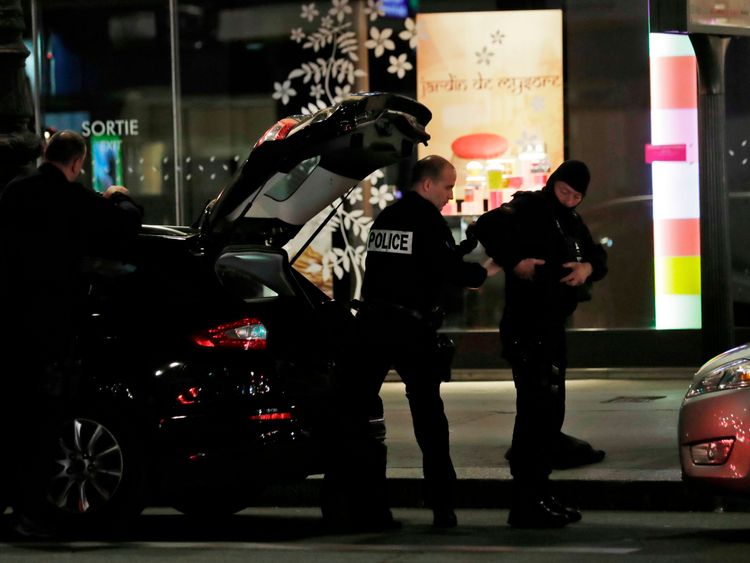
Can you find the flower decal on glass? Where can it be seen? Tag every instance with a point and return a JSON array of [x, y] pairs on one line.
[[340, 9], [283, 91], [380, 40], [316, 91], [374, 9], [381, 196], [399, 65], [309, 12], [297, 35], [410, 33], [327, 75]]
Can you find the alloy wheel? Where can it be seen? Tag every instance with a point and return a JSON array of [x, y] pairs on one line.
[[91, 467]]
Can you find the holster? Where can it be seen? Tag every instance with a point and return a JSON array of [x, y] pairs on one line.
[[445, 350]]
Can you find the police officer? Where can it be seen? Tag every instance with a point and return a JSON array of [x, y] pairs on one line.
[[411, 256], [549, 260], [48, 223]]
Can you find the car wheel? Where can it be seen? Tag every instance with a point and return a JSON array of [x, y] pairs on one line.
[[96, 476]]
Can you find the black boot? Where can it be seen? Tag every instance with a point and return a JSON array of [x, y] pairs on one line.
[[444, 518], [572, 514], [536, 514]]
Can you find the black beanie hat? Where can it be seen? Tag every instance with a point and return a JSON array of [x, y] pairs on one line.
[[574, 173]]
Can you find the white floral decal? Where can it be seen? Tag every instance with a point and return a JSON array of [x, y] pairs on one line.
[[355, 196], [297, 35], [340, 9], [380, 40], [374, 9], [309, 12], [381, 196], [399, 65], [325, 78], [316, 91], [283, 91], [410, 34]]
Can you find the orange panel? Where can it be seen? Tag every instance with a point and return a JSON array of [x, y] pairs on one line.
[[674, 83], [677, 237]]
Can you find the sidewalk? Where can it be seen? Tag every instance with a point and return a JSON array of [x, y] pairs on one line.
[[631, 414]]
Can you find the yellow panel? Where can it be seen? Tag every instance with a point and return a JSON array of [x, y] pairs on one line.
[[678, 275]]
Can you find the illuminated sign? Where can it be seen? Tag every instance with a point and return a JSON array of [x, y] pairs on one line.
[[120, 127], [496, 96], [673, 153], [395, 8], [106, 161]]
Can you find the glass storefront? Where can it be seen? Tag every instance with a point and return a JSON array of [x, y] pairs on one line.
[[173, 93]]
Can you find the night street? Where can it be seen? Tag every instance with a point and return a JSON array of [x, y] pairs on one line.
[[296, 534]]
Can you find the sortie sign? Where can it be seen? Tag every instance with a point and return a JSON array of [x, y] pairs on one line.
[[119, 127]]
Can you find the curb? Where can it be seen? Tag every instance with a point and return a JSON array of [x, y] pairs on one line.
[[678, 373]]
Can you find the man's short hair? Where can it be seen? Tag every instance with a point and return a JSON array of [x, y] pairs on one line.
[[429, 167], [64, 147]]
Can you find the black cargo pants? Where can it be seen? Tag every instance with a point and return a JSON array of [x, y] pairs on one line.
[[538, 359], [395, 339]]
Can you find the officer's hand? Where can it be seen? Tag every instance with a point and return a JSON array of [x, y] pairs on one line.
[[580, 272], [110, 191], [467, 246], [526, 268], [492, 267]]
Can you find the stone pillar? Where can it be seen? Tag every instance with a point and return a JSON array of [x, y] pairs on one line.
[[19, 146], [716, 259]]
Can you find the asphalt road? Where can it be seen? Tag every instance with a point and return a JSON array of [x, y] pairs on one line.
[[296, 534]]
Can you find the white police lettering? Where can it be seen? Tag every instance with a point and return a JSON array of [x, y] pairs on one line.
[[398, 242], [117, 127]]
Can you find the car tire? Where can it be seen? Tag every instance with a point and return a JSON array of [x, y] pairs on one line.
[[94, 474]]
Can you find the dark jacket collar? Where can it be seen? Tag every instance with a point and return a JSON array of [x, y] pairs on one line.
[[49, 169]]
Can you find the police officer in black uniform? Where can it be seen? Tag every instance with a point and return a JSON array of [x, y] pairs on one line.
[[411, 256], [549, 260], [48, 224]]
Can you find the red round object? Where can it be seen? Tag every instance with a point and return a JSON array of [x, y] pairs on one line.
[[479, 145]]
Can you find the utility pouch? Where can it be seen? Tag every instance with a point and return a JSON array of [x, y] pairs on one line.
[[445, 349]]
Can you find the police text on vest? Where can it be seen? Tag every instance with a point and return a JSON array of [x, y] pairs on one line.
[[398, 242]]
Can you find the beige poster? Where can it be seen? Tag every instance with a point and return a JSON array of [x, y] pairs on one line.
[[494, 83]]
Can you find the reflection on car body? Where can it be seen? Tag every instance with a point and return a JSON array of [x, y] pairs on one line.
[[714, 425]]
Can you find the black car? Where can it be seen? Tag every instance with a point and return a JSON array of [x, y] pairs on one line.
[[207, 362]]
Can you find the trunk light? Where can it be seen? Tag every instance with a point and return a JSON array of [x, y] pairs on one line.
[[245, 334], [277, 131]]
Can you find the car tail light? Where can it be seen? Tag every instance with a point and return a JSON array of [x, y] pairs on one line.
[[245, 334], [189, 397], [277, 415], [714, 452], [277, 131]]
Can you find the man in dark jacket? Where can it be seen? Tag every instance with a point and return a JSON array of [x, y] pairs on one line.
[[549, 260], [411, 257], [48, 224]]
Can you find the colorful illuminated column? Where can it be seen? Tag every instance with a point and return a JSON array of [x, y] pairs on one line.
[[674, 156]]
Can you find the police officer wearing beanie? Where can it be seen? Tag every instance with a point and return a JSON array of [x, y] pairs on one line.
[[411, 257], [550, 260]]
